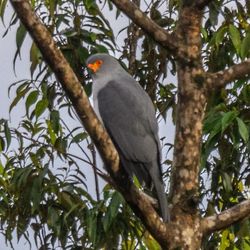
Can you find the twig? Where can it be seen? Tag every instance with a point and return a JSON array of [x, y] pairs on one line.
[[93, 152]]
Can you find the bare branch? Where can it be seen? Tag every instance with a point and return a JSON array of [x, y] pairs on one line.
[[95, 169], [74, 90], [226, 218], [160, 35], [221, 78]]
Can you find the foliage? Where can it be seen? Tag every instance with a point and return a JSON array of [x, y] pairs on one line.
[[45, 160]]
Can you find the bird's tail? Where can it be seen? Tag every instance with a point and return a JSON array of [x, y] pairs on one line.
[[160, 192]]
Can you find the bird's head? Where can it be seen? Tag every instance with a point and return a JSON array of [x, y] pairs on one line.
[[95, 65], [102, 65]]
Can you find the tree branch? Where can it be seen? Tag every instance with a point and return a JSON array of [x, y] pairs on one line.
[[226, 218], [74, 90], [160, 35], [221, 78]]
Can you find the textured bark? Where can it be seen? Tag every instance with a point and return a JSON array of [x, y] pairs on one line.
[[190, 112]]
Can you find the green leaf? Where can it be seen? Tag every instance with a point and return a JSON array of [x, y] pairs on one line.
[[93, 36], [20, 36], [116, 202], [212, 122], [55, 120], [2, 8], [91, 7], [34, 57], [31, 99], [235, 37], [112, 210], [245, 244], [244, 230], [220, 36], [53, 217], [2, 144], [245, 46], [225, 243], [227, 183], [150, 242], [36, 193], [34, 159], [247, 180], [246, 94], [7, 134], [227, 119], [83, 54], [101, 49], [41, 107], [51, 5], [51, 132], [18, 97], [21, 176], [213, 15], [204, 33], [89, 3], [2, 171], [243, 130], [80, 137], [91, 222], [22, 226], [61, 145]]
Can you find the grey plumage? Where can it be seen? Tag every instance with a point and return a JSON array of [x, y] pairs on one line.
[[129, 117]]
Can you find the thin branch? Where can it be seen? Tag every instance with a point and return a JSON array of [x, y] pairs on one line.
[[78, 145], [38, 143], [226, 218], [93, 153], [74, 90], [160, 35], [221, 78]]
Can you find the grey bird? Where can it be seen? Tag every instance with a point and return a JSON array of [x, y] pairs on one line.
[[128, 115]]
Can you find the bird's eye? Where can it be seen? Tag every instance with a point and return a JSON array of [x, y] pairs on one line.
[[98, 62], [95, 66]]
